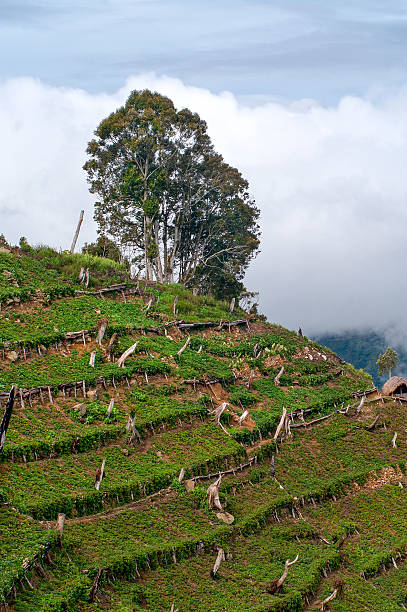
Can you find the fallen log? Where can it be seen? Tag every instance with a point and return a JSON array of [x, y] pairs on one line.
[[372, 425], [218, 324], [308, 423], [76, 335], [126, 354], [110, 289], [184, 347]]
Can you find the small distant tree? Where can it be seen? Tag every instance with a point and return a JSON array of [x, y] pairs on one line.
[[103, 247], [3, 242], [387, 361]]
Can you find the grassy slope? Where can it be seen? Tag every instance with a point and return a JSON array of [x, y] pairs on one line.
[[53, 451]]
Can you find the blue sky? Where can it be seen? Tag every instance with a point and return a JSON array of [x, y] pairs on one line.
[[259, 50]]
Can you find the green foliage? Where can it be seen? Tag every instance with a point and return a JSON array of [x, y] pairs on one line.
[[387, 361], [161, 185]]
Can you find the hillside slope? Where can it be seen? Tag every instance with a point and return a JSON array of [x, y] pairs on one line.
[[198, 396]]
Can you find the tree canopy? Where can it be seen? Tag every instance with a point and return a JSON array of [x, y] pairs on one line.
[[387, 361], [165, 192]]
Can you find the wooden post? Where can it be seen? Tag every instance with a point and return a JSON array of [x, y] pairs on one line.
[[7, 415], [75, 238]]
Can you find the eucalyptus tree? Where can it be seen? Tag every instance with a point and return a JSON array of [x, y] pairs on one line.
[[164, 191]]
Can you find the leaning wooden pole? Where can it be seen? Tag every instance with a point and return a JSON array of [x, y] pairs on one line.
[[6, 417], [75, 238]]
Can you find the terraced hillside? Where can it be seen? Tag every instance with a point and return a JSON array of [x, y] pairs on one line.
[[301, 464]]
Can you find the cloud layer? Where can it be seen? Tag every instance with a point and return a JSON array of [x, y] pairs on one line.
[[331, 184]]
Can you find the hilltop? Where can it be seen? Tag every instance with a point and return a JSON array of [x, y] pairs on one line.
[[311, 470]]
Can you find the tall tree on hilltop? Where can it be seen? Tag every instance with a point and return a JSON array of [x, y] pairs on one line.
[[166, 193]]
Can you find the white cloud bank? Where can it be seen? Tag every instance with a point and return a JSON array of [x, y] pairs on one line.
[[331, 184]]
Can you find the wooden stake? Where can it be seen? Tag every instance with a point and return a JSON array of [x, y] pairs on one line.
[[92, 359], [75, 238]]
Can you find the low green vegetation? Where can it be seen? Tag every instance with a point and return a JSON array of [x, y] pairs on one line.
[[330, 488]]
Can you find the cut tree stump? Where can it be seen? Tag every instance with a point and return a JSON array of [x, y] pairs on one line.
[[102, 325]]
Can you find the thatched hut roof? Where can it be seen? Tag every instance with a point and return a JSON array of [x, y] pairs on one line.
[[392, 384]]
